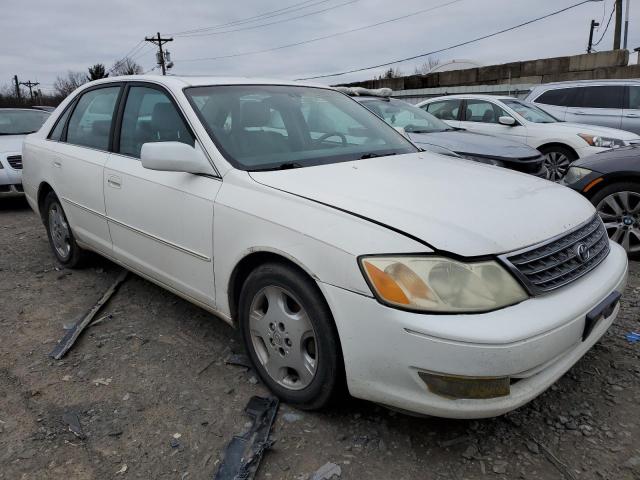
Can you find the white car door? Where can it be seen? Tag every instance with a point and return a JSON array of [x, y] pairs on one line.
[[482, 116], [161, 222], [78, 161]]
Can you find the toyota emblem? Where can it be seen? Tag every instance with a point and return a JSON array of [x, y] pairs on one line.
[[583, 252]]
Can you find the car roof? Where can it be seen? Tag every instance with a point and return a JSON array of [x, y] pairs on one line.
[[472, 96], [183, 81], [578, 83], [21, 109]]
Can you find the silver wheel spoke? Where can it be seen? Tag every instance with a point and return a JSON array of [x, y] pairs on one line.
[[619, 212], [612, 203]]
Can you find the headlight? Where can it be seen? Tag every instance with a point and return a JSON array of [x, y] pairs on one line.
[[575, 174], [603, 142], [489, 161], [438, 284]]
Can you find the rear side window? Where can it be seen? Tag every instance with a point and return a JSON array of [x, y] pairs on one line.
[[611, 96], [56, 133], [150, 116], [560, 97], [90, 122], [633, 101], [444, 110]]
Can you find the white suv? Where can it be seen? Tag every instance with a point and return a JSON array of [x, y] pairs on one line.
[[340, 250]]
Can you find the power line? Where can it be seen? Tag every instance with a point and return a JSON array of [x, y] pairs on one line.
[[317, 39], [386, 64], [259, 16], [252, 27], [607, 27]]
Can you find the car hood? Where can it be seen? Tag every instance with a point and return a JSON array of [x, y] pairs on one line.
[[454, 205], [615, 160], [11, 143], [461, 141], [591, 130]]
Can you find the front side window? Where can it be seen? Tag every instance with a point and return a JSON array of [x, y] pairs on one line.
[[403, 115], [530, 112], [21, 122], [444, 109], [611, 96], [483, 112], [561, 97], [633, 101], [262, 127], [90, 122], [150, 116]]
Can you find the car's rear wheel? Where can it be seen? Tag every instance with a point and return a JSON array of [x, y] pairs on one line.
[[619, 207], [289, 333], [61, 239], [557, 160]]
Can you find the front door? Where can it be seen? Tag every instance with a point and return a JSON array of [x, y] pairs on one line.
[[161, 223], [597, 105], [482, 116]]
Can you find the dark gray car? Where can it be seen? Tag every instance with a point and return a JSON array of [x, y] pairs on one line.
[[433, 134]]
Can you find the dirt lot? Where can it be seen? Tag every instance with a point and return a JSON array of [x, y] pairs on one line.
[[157, 369]]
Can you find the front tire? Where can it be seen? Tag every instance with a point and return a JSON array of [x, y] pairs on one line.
[[61, 239], [557, 160], [619, 207], [290, 336]]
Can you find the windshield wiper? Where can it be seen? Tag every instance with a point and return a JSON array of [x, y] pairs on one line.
[[374, 155], [282, 166]]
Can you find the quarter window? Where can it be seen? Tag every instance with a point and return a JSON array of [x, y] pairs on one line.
[[56, 134], [444, 110], [600, 97], [483, 112], [90, 122], [150, 116]]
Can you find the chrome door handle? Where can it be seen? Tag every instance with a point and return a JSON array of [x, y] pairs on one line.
[[581, 113], [632, 115], [114, 182], [57, 164]]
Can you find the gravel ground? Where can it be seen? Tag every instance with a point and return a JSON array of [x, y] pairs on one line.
[[156, 400]]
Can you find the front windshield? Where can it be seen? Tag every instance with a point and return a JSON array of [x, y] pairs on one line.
[[262, 127], [530, 112], [404, 115], [18, 122]]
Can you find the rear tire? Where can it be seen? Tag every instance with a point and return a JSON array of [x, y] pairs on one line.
[[61, 239], [290, 336], [557, 160], [618, 205]]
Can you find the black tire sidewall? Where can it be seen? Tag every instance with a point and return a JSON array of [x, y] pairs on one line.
[[329, 370], [75, 252]]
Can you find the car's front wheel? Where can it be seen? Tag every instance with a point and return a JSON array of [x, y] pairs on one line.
[[61, 239], [557, 160], [619, 207], [289, 333]]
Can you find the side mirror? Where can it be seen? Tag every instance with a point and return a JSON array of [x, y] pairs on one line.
[[507, 120], [175, 157]]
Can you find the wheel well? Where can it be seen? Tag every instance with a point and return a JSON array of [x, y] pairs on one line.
[[247, 265], [43, 191], [557, 144], [619, 177]]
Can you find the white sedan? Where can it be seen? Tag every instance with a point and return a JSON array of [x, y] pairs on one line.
[[342, 253], [511, 118]]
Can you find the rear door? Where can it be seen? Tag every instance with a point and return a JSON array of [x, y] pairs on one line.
[[481, 116], [597, 105], [79, 159], [447, 110], [161, 222], [631, 112]]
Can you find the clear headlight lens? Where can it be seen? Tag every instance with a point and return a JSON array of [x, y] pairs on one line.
[[603, 142], [489, 161], [575, 174], [439, 284]]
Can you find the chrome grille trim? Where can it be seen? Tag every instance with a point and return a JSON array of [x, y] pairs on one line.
[[555, 263]]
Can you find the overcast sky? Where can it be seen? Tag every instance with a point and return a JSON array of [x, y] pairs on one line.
[[43, 38]]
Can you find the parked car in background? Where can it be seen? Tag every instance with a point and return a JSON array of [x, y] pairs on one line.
[[611, 181], [507, 117], [338, 249], [609, 103], [46, 108], [433, 134], [15, 123]]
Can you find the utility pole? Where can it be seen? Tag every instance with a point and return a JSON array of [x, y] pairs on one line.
[[617, 35], [30, 86], [594, 24], [626, 25], [17, 84], [159, 41]]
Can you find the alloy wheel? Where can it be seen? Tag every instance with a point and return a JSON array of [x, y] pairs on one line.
[[60, 232], [283, 337], [557, 164], [620, 212]]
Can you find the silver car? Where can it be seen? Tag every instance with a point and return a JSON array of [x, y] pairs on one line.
[[609, 103]]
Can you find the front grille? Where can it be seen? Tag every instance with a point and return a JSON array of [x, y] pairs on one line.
[[15, 161], [558, 262]]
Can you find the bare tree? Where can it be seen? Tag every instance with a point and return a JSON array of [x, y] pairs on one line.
[[64, 85], [427, 66], [126, 66], [97, 72], [391, 73]]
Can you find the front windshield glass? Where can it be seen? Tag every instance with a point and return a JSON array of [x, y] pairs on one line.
[[262, 127], [530, 112], [17, 122], [404, 115]]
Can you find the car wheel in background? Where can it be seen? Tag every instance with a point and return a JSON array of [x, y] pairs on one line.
[[619, 207], [557, 160], [289, 333], [61, 238]]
